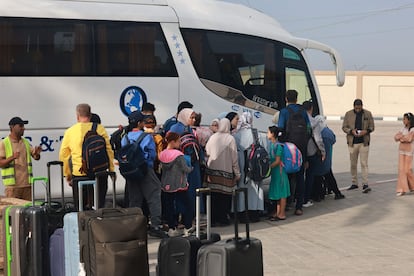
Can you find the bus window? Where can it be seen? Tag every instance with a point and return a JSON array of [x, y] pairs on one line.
[[38, 47], [253, 66], [131, 49], [296, 79], [63, 47]]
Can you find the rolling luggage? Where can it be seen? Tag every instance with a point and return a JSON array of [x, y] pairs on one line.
[[34, 237], [177, 256], [56, 210], [13, 220], [232, 257], [57, 253], [73, 265], [55, 219]]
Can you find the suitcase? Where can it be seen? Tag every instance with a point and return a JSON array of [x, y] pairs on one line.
[[56, 210], [177, 256], [57, 253], [73, 266], [232, 257], [56, 213], [13, 222], [34, 237]]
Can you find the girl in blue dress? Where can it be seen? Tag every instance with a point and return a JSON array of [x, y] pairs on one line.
[[279, 182]]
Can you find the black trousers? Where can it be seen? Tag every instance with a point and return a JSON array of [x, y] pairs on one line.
[[220, 208]]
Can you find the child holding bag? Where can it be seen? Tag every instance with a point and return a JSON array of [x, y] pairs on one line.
[[279, 188]]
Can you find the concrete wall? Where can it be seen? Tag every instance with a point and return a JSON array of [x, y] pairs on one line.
[[388, 95]]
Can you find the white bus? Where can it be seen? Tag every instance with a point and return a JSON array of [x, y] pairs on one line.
[[118, 54]]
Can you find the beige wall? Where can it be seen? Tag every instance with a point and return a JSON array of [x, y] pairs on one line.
[[385, 94]]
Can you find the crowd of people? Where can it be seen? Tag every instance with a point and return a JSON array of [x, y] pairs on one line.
[[216, 158]]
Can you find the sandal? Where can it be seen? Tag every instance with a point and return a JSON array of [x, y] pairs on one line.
[[272, 218], [276, 218]]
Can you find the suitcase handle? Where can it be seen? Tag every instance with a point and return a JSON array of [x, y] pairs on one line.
[[236, 193], [105, 211], [39, 179], [112, 175], [199, 192], [62, 184], [80, 191]]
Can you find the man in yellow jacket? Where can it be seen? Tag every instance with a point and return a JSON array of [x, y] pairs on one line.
[[16, 155], [71, 153]]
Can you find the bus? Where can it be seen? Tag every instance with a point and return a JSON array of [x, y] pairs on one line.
[[118, 54]]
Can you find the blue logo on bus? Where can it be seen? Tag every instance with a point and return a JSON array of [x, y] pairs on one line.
[[132, 99]]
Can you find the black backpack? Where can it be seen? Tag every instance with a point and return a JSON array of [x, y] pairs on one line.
[[297, 129], [257, 165], [132, 164], [94, 155], [115, 140]]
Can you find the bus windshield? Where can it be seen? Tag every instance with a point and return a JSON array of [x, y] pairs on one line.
[[260, 70]]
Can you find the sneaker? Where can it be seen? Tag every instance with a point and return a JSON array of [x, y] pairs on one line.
[[400, 194], [175, 232], [157, 233], [353, 187], [339, 196], [308, 204], [366, 189]]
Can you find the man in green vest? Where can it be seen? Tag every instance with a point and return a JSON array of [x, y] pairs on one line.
[[16, 155]]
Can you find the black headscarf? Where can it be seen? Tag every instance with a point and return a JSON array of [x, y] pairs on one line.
[[231, 116]]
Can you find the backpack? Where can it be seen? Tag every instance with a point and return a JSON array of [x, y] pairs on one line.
[[94, 154], [115, 140], [257, 165], [131, 158], [160, 145], [168, 124], [296, 129], [291, 158], [189, 145], [328, 136]]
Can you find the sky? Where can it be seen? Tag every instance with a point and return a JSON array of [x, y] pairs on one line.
[[370, 35]]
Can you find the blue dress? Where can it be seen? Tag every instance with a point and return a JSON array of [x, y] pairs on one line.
[[279, 181]]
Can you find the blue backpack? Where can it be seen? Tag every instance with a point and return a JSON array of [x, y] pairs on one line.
[[131, 158], [291, 158]]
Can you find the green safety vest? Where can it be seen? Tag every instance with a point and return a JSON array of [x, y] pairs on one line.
[[7, 173]]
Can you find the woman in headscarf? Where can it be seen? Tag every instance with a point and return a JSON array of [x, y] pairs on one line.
[[223, 172], [244, 139], [185, 120]]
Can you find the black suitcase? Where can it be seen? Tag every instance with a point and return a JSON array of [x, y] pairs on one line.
[[177, 256], [56, 210], [113, 241], [34, 237], [232, 257]]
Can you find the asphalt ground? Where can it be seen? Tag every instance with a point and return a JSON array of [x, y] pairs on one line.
[[363, 234]]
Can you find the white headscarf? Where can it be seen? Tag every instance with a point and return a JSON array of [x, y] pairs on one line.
[[184, 115]]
